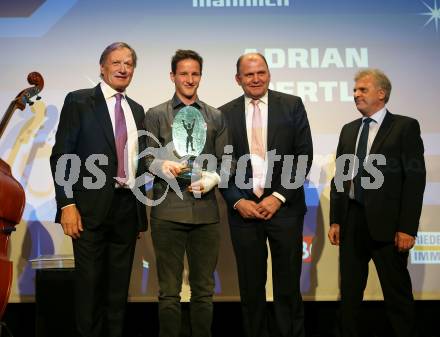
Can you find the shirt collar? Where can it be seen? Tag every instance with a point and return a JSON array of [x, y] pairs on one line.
[[378, 116], [176, 102], [108, 91], [264, 99]]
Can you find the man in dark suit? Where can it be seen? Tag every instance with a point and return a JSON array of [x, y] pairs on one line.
[[264, 206], [186, 221], [371, 222], [100, 212]]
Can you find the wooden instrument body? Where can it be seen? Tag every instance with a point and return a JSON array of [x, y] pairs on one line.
[[12, 196]]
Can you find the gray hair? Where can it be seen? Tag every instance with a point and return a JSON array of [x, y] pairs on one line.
[[380, 80], [114, 46]]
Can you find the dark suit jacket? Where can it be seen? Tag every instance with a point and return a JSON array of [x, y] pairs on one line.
[[85, 129], [397, 204], [288, 133]]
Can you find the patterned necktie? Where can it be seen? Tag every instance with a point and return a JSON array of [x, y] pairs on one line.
[[361, 153], [121, 139], [258, 150]]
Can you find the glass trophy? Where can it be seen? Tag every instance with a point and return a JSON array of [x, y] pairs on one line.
[[189, 137]]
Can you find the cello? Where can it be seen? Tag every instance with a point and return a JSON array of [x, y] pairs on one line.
[[12, 196]]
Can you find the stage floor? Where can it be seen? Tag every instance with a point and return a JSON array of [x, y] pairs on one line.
[[141, 319]]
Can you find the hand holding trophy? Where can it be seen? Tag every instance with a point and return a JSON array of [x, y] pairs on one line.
[[189, 137]]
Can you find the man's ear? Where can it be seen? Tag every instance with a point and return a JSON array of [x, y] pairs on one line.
[[237, 79], [172, 76]]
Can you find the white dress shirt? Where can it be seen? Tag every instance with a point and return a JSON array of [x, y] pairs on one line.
[[249, 111], [132, 132]]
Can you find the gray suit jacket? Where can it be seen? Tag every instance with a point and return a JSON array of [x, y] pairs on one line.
[[190, 210]]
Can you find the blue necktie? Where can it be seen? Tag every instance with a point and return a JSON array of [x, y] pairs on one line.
[[361, 153]]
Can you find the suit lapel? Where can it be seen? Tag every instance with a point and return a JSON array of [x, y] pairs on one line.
[[137, 119], [103, 117], [349, 147], [241, 122], [384, 130], [274, 109], [138, 115], [352, 134]]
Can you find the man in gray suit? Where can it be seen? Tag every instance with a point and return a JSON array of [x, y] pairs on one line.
[[187, 219]]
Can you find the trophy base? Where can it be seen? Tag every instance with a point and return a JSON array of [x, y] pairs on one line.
[[185, 178]]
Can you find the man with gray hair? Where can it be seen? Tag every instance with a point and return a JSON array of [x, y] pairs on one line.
[[377, 223], [101, 214]]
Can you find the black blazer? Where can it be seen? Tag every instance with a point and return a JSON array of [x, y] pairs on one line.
[[288, 133], [85, 129], [397, 204]]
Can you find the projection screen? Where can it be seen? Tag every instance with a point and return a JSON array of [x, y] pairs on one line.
[[313, 48]]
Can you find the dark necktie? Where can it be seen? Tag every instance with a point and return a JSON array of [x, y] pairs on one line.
[[120, 138], [361, 153]]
